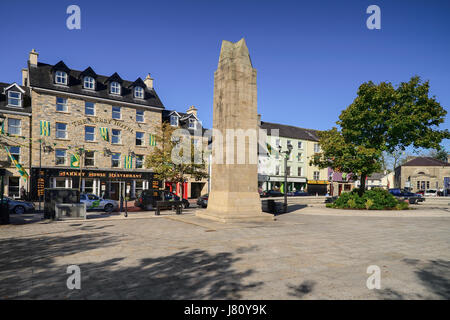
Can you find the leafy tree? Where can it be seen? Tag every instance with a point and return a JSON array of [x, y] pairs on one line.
[[165, 167], [382, 119], [439, 154]]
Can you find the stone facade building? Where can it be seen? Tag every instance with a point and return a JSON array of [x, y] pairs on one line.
[[15, 118], [78, 129], [423, 173]]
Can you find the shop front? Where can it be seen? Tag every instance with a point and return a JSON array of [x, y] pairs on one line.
[[103, 183], [317, 187], [266, 182]]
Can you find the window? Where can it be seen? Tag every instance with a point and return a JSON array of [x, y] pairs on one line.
[[316, 147], [61, 104], [115, 160], [139, 138], [288, 170], [15, 152], [174, 120], [14, 126], [139, 161], [89, 186], [61, 77], [89, 133], [89, 158], [14, 99], [13, 187], [115, 87], [288, 142], [61, 130], [316, 175], [89, 108], [299, 157], [428, 184], [116, 113], [116, 137], [300, 145], [60, 157], [277, 170], [299, 171], [192, 123], [89, 83], [139, 92], [277, 143], [418, 185], [140, 115]]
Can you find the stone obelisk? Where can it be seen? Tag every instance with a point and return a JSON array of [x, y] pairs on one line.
[[234, 185]]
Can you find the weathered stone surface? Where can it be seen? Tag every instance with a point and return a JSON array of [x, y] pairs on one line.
[[234, 194]]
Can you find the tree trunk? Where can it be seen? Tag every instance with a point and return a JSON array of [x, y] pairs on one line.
[[362, 187]]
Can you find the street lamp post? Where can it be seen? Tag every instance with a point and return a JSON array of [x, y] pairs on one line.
[[286, 153], [4, 212]]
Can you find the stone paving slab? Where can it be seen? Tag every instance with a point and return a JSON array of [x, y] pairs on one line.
[[308, 254]]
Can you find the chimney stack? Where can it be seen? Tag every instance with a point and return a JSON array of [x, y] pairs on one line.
[[149, 81], [33, 58], [259, 120], [25, 77], [192, 110]]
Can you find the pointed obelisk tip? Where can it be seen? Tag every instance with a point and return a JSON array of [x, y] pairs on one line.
[[234, 49]]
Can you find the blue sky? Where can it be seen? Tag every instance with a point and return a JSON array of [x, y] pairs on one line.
[[311, 56]]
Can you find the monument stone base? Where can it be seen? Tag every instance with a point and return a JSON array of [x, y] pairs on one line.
[[235, 207]]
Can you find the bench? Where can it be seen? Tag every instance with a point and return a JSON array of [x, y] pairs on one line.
[[177, 205]]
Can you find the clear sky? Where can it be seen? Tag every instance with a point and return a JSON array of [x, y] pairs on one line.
[[311, 56]]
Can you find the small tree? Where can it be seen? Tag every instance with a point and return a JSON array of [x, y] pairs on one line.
[[382, 118], [163, 164]]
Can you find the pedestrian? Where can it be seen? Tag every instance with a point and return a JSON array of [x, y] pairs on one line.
[[23, 193]]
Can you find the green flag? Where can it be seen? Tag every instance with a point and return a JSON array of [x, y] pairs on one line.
[[128, 163], [19, 167], [152, 141], [104, 133], [75, 161], [45, 128]]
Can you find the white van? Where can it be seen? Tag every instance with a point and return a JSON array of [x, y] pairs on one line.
[[430, 193]]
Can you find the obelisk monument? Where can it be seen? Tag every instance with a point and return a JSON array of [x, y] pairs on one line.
[[234, 184]]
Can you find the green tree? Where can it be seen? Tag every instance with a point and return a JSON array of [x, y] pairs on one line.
[[165, 167], [382, 119], [439, 154]]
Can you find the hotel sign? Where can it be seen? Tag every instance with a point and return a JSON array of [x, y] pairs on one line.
[[317, 182], [102, 121]]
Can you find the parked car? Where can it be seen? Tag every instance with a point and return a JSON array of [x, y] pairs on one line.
[[271, 193], [94, 202], [297, 194], [147, 199], [430, 193], [411, 197], [202, 201], [168, 196], [19, 206]]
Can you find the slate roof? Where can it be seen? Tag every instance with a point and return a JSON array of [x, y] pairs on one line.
[[26, 102], [425, 162], [41, 76], [376, 176], [286, 131], [183, 122]]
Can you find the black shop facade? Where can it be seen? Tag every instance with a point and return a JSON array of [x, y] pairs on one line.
[[103, 183]]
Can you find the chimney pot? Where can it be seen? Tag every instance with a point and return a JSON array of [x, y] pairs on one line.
[[33, 57], [149, 81], [192, 110]]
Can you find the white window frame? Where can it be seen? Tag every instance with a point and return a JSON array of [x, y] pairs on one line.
[[139, 93], [172, 117], [19, 127], [93, 133], [192, 122], [56, 157], [119, 136], [316, 147], [120, 112], [93, 107], [15, 154], [112, 159], [89, 83], [142, 139], [141, 161], [299, 145], [56, 130], [143, 118], [19, 99], [300, 171], [316, 177], [115, 88], [63, 104], [61, 77]]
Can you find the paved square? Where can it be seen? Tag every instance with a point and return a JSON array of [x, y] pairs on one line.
[[312, 253]]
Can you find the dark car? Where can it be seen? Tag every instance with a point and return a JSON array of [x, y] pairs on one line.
[[411, 197], [202, 201], [19, 206], [147, 199], [297, 194], [271, 193]]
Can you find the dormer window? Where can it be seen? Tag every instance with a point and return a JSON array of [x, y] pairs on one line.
[[174, 120], [115, 88], [139, 93], [89, 83], [14, 99], [192, 123], [61, 77]]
